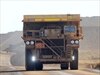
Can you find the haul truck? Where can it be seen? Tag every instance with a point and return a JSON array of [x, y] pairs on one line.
[[51, 39]]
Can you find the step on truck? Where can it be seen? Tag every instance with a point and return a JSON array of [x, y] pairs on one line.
[[51, 39]]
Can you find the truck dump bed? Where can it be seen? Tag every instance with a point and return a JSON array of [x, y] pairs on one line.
[[51, 18]]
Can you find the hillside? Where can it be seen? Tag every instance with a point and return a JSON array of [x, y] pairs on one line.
[[90, 21]]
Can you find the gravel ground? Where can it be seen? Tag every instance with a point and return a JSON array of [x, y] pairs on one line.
[[9, 71]]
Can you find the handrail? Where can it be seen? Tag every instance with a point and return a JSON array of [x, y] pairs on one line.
[[51, 48]]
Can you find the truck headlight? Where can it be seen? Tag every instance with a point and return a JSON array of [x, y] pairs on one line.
[[73, 57], [76, 42], [27, 42], [33, 58], [32, 42], [72, 41]]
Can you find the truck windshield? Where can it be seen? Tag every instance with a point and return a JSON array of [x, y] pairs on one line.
[[69, 28]]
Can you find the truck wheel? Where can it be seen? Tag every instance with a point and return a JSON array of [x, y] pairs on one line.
[[38, 66], [30, 65], [28, 61], [74, 63], [64, 66]]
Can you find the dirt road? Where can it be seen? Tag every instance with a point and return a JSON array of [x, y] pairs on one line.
[[59, 72], [48, 70], [55, 70], [68, 72]]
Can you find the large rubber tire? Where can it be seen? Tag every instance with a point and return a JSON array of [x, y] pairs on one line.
[[30, 65], [38, 66], [64, 66], [74, 63], [28, 62]]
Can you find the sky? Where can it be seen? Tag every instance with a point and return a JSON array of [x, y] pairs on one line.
[[12, 11]]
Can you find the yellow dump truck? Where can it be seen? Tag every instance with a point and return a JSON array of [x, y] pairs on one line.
[[51, 39]]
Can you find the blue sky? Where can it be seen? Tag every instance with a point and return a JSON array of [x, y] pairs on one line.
[[12, 11]]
